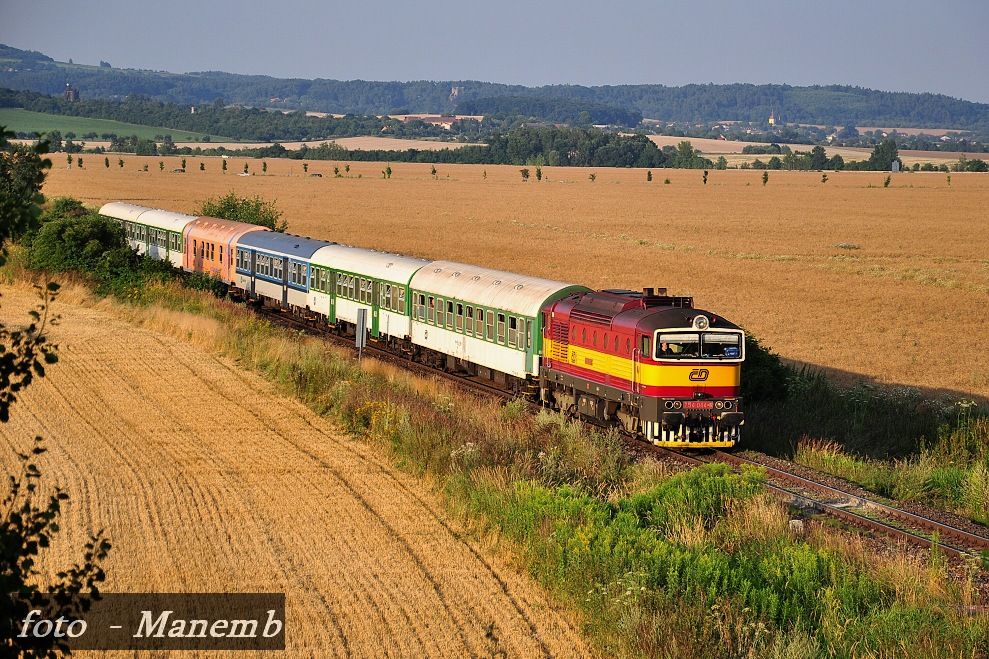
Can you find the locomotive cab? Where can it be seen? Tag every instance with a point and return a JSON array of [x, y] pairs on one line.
[[699, 369]]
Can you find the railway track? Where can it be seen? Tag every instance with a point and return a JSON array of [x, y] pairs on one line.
[[848, 507]]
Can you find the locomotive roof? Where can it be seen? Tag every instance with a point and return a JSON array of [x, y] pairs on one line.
[[299, 247], [509, 291], [123, 211], [368, 262], [654, 318]]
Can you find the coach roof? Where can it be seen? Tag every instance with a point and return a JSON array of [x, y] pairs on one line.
[[297, 247], [377, 265], [120, 210], [168, 220], [508, 291]]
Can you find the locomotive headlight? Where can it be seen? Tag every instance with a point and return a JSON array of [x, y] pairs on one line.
[[728, 404], [701, 322], [718, 405], [669, 404], [677, 404]]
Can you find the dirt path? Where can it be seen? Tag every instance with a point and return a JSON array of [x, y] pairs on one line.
[[206, 480]]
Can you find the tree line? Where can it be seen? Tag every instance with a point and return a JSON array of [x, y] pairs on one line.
[[836, 105]]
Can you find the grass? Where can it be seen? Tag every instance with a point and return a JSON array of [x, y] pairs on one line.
[[26, 121], [952, 473], [699, 563]]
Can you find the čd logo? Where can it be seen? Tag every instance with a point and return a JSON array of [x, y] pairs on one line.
[[699, 374]]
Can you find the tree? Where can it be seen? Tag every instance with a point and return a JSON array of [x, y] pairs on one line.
[[144, 168], [120, 162], [305, 168], [27, 526], [818, 158], [824, 178], [525, 174], [887, 181], [649, 175], [387, 171], [161, 165], [883, 156], [224, 165], [264, 167], [592, 176], [246, 166], [183, 163], [722, 163], [765, 178], [79, 162], [433, 171], [54, 140], [254, 210], [202, 167], [346, 168], [539, 173], [22, 172], [336, 172], [68, 159], [106, 162], [705, 177]]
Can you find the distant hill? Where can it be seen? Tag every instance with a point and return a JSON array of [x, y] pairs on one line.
[[834, 105]]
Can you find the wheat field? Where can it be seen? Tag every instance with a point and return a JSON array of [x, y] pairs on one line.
[[207, 481], [887, 284]]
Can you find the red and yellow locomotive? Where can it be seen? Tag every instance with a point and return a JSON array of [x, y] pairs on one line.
[[646, 361]]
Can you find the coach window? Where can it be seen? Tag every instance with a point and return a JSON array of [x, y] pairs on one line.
[[469, 325], [513, 332], [646, 347], [479, 323], [386, 296], [528, 333], [460, 317], [193, 249], [401, 299], [501, 328], [221, 253], [489, 333], [449, 314]]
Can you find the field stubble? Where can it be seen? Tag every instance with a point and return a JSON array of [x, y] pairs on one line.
[[369, 562], [889, 284]]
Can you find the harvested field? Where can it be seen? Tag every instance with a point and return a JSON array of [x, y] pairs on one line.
[[882, 283], [370, 564]]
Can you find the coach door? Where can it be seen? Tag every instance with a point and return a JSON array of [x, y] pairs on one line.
[[375, 307]]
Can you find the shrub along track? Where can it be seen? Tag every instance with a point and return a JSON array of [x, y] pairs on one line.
[[206, 480], [835, 500]]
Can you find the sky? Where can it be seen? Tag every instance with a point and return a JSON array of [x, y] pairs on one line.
[[901, 45]]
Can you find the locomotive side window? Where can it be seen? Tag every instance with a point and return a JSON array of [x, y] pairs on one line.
[[646, 347], [628, 346]]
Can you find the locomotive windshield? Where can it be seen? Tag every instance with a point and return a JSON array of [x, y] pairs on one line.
[[699, 345]]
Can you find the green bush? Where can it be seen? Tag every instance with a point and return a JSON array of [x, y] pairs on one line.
[[253, 210], [75, 243]]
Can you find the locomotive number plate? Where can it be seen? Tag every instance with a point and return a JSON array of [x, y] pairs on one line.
[[698, 405]]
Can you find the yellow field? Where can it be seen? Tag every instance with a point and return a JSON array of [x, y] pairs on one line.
[[370, 564], [890, 284], [732, 151]]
